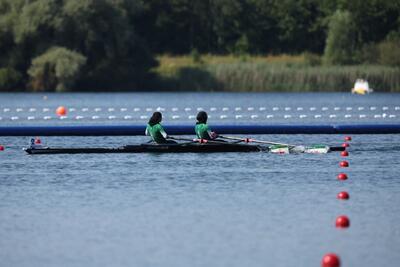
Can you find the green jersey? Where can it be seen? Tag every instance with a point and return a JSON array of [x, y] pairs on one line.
[[202, 131], [156, 132]]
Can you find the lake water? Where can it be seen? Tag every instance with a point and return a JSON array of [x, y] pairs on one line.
[[223, 209]]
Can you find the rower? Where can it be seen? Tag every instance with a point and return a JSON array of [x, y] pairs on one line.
[[156, 131], [202, 130]]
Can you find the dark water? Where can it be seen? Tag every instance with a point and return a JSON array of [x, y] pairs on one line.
[[236, 209]]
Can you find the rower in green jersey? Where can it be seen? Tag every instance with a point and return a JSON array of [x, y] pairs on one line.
[[156, 131], [202, 130]]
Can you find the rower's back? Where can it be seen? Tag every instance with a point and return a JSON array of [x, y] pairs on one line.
[[202, 130], [155, 130]]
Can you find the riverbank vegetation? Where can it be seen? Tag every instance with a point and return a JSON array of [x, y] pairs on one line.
[[229, 45], [270, 73]]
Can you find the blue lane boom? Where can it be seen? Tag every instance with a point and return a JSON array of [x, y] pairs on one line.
[[114, 130]]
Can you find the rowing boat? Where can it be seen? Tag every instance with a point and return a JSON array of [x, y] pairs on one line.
[[189, 147]]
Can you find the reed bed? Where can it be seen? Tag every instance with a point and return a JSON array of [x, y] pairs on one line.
[[266, 77], [284, 73]]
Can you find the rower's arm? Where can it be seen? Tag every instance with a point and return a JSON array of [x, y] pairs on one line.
[[163, 133], [209, 134], [146, 132]]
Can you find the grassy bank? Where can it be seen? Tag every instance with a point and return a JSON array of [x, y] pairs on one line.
[[269, 73]]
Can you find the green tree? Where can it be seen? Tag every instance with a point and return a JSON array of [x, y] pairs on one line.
[[374, 19], [389, 52], [9, 79], [58, 69], [340, 42], [103, 31]]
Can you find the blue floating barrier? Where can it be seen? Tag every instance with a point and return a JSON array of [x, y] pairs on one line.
[[109, 130]]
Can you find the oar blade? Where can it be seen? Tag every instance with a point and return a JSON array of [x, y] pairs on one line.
[[314, 149], [280, 149], [317, 149]]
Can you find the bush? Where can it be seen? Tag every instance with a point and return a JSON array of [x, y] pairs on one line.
[[57, 69], [368, 54], [389, 52], [9, 79], [196, 57]]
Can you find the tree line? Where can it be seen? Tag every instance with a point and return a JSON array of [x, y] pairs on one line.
[[62, 45]]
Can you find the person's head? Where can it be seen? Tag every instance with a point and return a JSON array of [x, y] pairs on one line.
[[202, 117], [155, 118]]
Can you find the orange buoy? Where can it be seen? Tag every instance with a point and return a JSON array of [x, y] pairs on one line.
[[343, 195], [330, 260], [61, 111], [342, 221], [342, 176], [344, 164], [347, 138], [1, 148], [345, 145], [344, 153]]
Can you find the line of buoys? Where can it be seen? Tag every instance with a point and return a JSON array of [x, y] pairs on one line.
[[236, 117], [226, 109], [342, 221]]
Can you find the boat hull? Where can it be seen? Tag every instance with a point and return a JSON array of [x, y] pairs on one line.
[[152, 148]]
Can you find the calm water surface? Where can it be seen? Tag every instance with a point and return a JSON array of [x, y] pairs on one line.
[[236, 209]]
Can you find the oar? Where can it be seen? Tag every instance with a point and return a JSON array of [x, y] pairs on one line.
[[197, 140], [248, 140], [181, 139]]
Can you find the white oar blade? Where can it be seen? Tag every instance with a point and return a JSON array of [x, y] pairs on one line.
[[297, 149], [279, 149], [317, 149]]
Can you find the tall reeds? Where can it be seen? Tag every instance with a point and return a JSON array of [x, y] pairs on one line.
[[274, 77], [271, 73]]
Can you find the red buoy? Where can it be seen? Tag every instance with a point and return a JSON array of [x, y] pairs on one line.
[[344, 164], [343, 195], [1, 148], [342, 221], [344, 153], [345, 145], [330, 260], [61, 111], [347, 138], [342, 176]]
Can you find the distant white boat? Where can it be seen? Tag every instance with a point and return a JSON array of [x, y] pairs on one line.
[[361, 87]]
